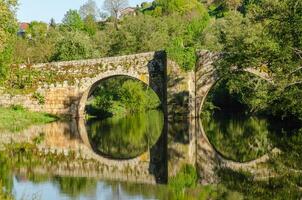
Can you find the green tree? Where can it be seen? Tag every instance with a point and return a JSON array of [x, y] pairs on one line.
[[221, 8], [179, 6], [182, 48], [89, 9], [73, 21], [8, 29], [152, 35], [73, 46], [90, 25], [37, 29], [37, 50], [134, 97], [268, 37], [120, 96]]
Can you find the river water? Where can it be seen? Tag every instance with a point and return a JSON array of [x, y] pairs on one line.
[[50, 188], [243, 138], [115, 138], [125, 137], [235, 137]]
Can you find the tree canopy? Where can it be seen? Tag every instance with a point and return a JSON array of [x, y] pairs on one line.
[[89, 9], [264, 34], [267, 37], [8, 27], [73, 21]]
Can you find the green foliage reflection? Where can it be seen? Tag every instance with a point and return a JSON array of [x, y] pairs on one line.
[[126, 137], [76, 186], [238, 137]]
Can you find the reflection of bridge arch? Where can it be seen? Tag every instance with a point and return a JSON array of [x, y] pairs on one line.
[[84, 138], [208, 159]]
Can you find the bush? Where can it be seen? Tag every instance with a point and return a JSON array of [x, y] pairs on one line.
[[17, 108], [74, 46], [39, 97], [136, 98], [120, 96], [186, 178]]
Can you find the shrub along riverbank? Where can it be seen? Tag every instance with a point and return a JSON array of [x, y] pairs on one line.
[[17, 118]]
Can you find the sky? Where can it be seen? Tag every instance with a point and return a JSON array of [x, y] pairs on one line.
[[44, 10]]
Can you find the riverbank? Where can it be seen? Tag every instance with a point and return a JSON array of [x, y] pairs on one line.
[[17, 118]]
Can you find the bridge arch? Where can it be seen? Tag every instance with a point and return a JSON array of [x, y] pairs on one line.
[[206, 77], [151, 71], [88, 90], [103, 77], [208, 159]]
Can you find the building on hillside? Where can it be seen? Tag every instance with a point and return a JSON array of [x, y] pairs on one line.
[[23, 27], [129, 11]]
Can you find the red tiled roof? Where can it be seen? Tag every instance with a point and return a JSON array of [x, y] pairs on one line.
[[23, 25]]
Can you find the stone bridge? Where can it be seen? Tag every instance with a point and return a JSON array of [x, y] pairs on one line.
[[73, 81], [65, 87], [182, 95]]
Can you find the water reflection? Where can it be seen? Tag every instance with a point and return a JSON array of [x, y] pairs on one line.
[[127, 137], [82, 188], [238, 137]]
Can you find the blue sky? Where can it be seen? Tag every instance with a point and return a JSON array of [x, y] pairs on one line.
[[44, 10]]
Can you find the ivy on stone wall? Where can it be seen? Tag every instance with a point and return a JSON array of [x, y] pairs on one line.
[[27, 79]]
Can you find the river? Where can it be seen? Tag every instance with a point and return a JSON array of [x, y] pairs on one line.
[[73, 166], [109, 141]]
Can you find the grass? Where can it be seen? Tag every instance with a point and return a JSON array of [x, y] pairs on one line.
[[17, 118]]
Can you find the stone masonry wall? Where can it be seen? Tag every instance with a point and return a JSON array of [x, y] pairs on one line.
[[64, 83]]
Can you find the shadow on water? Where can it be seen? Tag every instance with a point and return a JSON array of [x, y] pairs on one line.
[[158, 82]]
